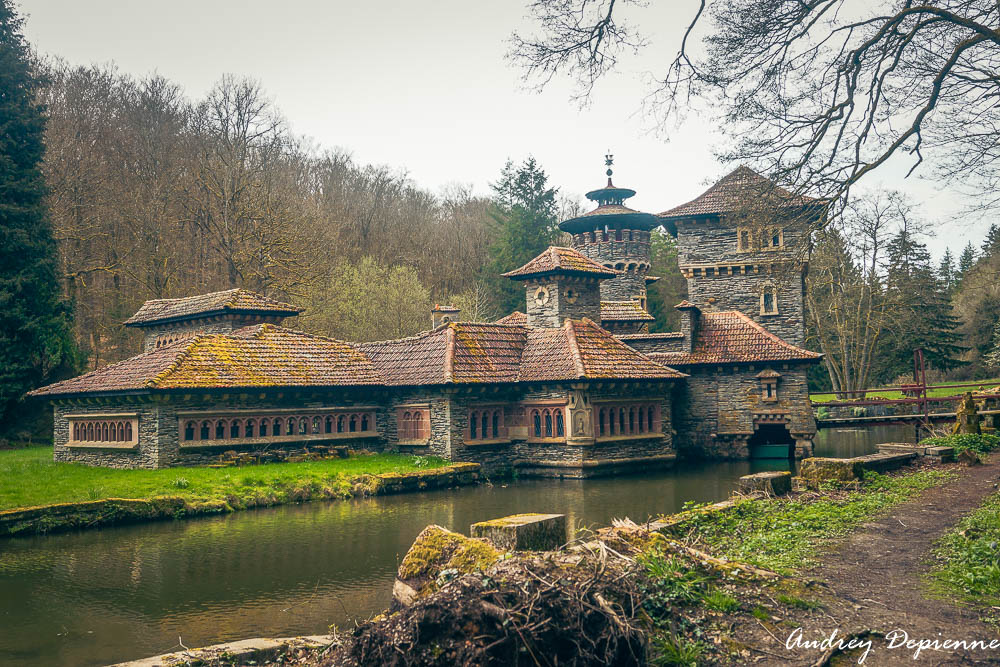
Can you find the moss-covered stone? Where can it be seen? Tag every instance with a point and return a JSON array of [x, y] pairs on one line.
[[816, 470], [523, 532], [435, 550]]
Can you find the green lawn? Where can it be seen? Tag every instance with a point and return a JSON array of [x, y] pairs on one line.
[[30, 477], [892, 394]]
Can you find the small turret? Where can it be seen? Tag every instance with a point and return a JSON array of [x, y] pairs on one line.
[[443, 314]]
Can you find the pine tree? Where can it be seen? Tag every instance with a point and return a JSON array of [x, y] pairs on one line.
[[526, 212], [922, 315], [946, 271], [966, 261], [35, 343], [991, 244]]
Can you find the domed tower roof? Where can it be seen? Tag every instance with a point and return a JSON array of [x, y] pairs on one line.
[[611, 210]]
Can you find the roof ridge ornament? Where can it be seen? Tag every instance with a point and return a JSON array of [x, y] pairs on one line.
[[609, 160]]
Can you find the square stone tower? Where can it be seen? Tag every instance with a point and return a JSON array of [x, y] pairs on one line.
[[561, 284], [743, 245]]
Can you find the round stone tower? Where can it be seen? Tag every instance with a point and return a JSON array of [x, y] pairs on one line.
[[617, 237]]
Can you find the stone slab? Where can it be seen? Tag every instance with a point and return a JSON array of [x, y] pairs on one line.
[[244, 651], [883, 462], [776, 483], [523, 532], [900, 448], [943, 454]]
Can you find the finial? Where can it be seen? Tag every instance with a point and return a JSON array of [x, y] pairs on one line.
[[609, 160]]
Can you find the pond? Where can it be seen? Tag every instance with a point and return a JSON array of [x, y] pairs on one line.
[[102, 596]]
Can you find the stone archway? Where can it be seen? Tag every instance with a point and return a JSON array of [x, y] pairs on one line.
[[771, 441]]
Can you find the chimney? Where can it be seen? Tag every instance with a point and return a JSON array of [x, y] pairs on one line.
[[443, 314], [690, 314]]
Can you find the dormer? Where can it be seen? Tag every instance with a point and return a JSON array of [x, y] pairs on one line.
[[166, 321], [561, 284]]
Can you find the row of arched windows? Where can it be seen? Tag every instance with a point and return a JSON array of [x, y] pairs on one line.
[[604, 235], [414, 425], [229, 428], [627, 420], [486, 423], [102, 431], [547, 423]]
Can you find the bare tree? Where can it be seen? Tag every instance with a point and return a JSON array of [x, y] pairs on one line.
[[818, 93]]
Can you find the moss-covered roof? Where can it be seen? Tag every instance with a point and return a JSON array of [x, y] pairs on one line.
[[735, 191], [204, 305], [624, 311], [557, 259]]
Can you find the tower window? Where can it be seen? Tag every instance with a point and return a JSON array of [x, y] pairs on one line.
[[768, 301], [744, 235]]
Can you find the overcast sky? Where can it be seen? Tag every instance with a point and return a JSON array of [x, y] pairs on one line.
[[422, 85]]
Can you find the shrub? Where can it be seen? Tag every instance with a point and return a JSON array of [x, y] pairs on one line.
[[981, 443]]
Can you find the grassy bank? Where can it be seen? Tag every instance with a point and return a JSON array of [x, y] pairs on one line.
[[29, 477], [968, 560], [782, 534], [940, 392]]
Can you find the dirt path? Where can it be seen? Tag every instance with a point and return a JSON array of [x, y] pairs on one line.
[[877, 572]]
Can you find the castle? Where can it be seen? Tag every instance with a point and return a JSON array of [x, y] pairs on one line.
[[573, 386]]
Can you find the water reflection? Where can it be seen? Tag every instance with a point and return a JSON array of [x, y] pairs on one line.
[[107, 595]]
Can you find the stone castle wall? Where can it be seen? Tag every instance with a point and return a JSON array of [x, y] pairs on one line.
[[631, 256], [568, 298]]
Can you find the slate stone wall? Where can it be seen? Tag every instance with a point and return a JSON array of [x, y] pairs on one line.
[[147, 454], [665, 344], [569, 297], [630, 254], [715, 411], [715, 242]]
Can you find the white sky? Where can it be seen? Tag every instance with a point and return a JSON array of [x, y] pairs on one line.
[[422, 85]]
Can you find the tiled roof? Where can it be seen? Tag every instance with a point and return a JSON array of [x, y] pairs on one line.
[[234, 300], [263, 355], [556, 259], [609, 209], [624, 311], [732, 337], [668, 335], [484, 353], [733, 192], [517, 317]]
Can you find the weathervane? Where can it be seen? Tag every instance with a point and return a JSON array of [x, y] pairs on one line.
[[609, 160]]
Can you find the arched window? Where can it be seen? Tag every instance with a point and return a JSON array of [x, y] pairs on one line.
[[631, 420], [121, 431], [621, 421], [407, 427], [205, 433], [76, 431], [290, 426], [329, 424], [354, 423], [548, 424], [340, 424], [249, 428], [263, 428], [473, 425], [485, 421], [496, 423], [418, 425], [364, 422], [611, 421], [104, 432], [128, 431], [600, 422], [234, 429], [276, 427], [315, 426], [537, 418], [220, 429], [560, 431], [642, 419], [188, 431], [649, 419], [303, 425]]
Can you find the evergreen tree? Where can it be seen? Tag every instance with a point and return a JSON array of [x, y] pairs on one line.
[[966, 261], [526, 213], [670, 289], [922, 315], [946, 271], [35, 343], [991, 244]]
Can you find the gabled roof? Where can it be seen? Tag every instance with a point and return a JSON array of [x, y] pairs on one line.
[[517, 317], [556, 259], [258, 356], [732, 337], [229, 301], [733, 192], [499, 353], [624, 311]]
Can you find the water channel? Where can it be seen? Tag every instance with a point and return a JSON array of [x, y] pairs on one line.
[[101, 596]]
